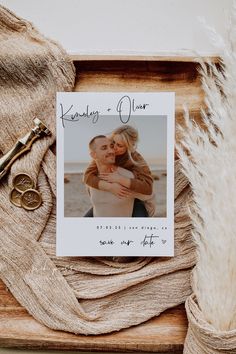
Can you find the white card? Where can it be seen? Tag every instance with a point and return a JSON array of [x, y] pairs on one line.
[[115, 173]]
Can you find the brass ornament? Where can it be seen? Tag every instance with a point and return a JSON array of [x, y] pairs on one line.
[[15, 197], [24, 194], [31, 199], [22, 146], [22, 182]]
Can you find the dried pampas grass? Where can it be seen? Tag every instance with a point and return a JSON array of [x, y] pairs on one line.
[[208, 158]]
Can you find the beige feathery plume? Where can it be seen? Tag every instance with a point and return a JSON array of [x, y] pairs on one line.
[[210, 165]]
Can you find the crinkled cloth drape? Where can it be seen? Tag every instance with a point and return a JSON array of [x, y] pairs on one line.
[[80, 295], [202, 337]]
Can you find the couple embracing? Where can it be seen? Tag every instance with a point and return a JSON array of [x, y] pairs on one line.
[[118, 179]]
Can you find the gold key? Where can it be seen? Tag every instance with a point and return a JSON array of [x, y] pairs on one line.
[[15, 197], [31, 199], [22, 182]]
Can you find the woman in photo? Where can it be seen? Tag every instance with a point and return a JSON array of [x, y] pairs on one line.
[[125, 139]]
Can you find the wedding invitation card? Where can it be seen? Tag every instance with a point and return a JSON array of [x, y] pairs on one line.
[[115, 173]]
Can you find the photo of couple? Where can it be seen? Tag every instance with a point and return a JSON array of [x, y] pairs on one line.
[[118, 181]]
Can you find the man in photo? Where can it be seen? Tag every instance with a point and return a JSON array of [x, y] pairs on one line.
[[116, 200]]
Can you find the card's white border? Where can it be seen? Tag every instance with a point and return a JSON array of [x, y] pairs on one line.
[[75, 236]]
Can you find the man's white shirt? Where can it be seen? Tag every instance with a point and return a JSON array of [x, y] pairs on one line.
[[106, 204]]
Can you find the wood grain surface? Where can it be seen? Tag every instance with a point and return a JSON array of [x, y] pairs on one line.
[[165, 333], [146, 76], [162, 56]]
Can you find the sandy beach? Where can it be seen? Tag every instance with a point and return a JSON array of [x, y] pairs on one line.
[[77, 201]]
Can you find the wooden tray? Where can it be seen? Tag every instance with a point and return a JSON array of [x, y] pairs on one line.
[[165, 333]]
